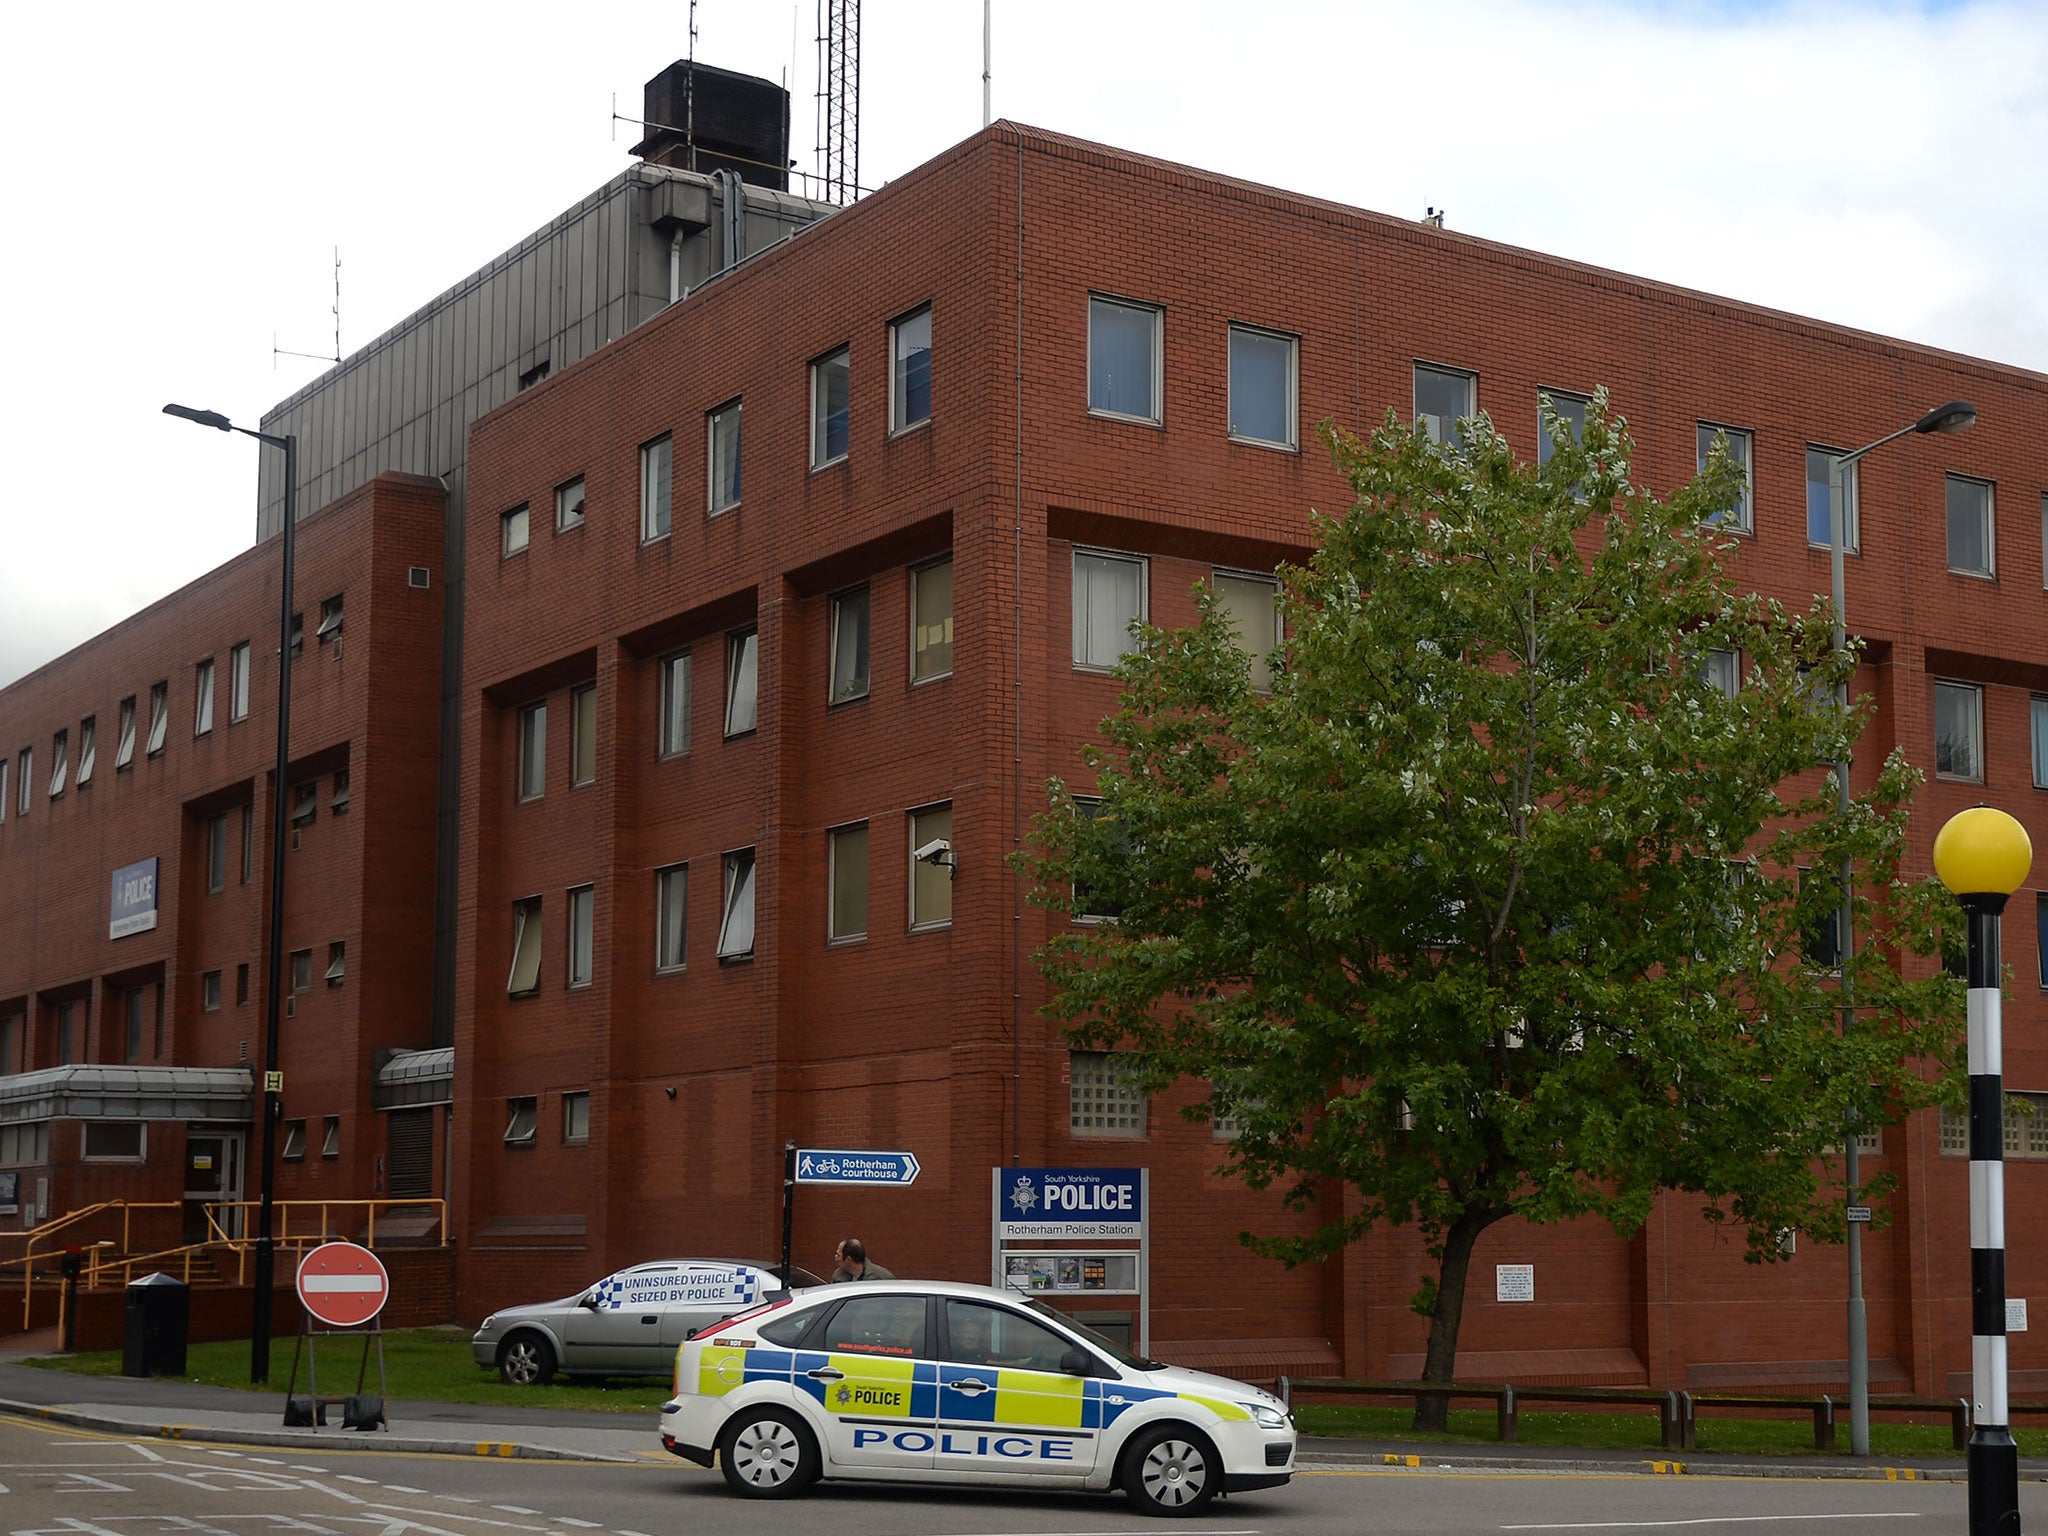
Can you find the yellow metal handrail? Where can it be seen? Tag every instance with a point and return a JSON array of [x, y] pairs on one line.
[[283, 1212], [49, 1229]]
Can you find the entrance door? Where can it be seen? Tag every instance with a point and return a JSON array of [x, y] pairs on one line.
[[213, 1174]]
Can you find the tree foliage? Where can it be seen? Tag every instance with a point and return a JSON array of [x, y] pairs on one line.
[[1494, 904]]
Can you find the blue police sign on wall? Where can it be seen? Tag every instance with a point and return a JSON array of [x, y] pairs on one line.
[[1071, 1202], [133, 907]]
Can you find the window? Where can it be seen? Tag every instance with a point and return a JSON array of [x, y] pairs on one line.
[[1570, 409], [736, 926], [742, 682], [111, 1140], [338, 805], [299, 634], [521, 1121], [583, 735], [337, 963], [569, 505], [1443, 398], [202, 698], [1101, 1101], [86, 750], [575, 1119], [582, 905], [931, 621], [910, 370], [655, 488], [2037, 720], [1959, 732], [2044, 540], [1262, 387], [1721, 670], [330, 1136], [2041, 936], [1822, 940], [831, 382], [1736, 517], [675, 703], [248, 842], [238, 683], [131, 1025], [722, 457], [159, 716], [24, 773], [525, 978], [60, 763], [302, 970], [847, 856], [68, 1026], [1820, 527], [849, 658], [671, 916], [217, 854], [1089, 905], [878, 1325], [979, 1334], [1109, 592], [330, 619], [242, 983], [512, 532], [305, 803], [533, 751], [1252, 606], [1969, 526], [295, 1141], [1124, 362], [209, 992], [124, 746], [931, 879]]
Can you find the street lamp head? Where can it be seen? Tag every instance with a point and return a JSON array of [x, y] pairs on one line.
[[1982, 852], [1956, 416], [212, 419]]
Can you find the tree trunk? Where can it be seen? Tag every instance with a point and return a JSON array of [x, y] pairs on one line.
[[1432, 1414]]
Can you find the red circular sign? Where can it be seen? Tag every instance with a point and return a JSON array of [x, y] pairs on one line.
[[343, 1285]]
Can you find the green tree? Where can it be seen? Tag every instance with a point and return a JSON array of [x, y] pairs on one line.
[[1494, 905]]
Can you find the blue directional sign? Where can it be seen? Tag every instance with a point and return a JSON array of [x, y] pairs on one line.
[[837, 1165]]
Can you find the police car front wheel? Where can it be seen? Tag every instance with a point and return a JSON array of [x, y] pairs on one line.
[[768, 1453], [1171, 1470]]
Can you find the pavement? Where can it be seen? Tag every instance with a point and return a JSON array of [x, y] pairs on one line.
[[156, 1408]]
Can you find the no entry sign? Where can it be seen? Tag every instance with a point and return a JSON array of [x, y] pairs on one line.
[[343, 1285]]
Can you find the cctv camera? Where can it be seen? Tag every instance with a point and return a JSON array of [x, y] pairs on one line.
[[933, 852]]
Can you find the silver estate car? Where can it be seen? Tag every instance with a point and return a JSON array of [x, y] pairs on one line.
[[627, 1324]]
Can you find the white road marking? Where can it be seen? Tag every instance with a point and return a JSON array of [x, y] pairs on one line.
[[297, 1468], [581, 1525], [514, 1509], [236, 1454], [456, 1498], [401, 1488], [268, 1461], [350, 1477], [1671, 1525]]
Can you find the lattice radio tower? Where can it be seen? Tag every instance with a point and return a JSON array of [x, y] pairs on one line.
[[839, 98]]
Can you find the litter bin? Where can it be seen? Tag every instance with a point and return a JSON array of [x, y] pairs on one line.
[[159, 1315]]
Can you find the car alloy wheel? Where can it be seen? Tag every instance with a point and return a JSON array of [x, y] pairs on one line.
[[525, 1360], [1171, 1473], [768, 1454]]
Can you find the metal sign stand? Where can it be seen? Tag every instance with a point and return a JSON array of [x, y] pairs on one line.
[[357, 1410], [1117, 1242]]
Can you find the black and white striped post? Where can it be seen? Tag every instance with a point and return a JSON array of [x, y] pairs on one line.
[[1983, 856]]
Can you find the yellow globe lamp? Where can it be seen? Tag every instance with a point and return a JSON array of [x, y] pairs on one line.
[[1983, 852]]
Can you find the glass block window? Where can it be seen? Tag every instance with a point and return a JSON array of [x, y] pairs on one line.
[[1100, 1100]]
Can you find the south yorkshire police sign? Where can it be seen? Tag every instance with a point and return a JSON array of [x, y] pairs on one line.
[[1071, 1202], [133, 908]]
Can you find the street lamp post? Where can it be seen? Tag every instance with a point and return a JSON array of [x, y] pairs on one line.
[[1983, 856], [273, 1076], [1956, 416]]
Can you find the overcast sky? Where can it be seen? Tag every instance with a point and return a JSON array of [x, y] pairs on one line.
[[176, 179]]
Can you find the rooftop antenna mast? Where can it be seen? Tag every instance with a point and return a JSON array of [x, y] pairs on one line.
[[839, 98], [319, 357], [690, 92]]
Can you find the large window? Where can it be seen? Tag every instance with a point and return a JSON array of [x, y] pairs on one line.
[[1959, 732], [583, 734], [671, 916], [1737, 517], [674, 703], [569, 505], [931, 876], [238, 683], [849, 648], [533, 751], [1109, 592], [1101, 1099], [736, 923], [1820, 490], [1262, 387], [910, 370], [655, 488], [742, 682], [1570, 409], [159, 717], [847, 854], [87, 750], [1252, 606], [582, 934], [124, 746], [1124, 359], [216, 853], [524, 979], [831, 385], [931, 620], [722, 455], [1970, 527], [1443, 398]]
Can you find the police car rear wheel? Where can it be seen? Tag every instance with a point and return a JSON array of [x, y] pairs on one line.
[[768, 1453], [1171, 1471], [526, 1360]]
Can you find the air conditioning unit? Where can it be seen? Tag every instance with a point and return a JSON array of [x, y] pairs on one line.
[[417, 577]]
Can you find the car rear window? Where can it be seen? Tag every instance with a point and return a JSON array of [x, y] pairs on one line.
[[878, 1325], [786, 1331]]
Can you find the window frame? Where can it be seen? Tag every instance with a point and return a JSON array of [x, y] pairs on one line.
[[1545, 449], [657, 488], [139, 1155], [918, 680], [713, 486], [336, 974], [570, 513], [1292, 442], [1976, 691], [522, 1120], [2037, 734], [124, 739], [1144, 565], [917, 839], [528, 912], [1950, 480], [88, 751], [60, 762], [1852, 486], [293, 1149], [202, 698], [742, 873], [209, 992], [299, 972], [1741, 519], [330, 1137], [836, 604], [742, 655], [669, 667], [572, 1135], [530, 757], [833, 840], [582, 734], [1707, 667], [238, 682], [1079, 1132], [1157, 418], [1259, 659], [667, 878], [216, 853], [25, 774], [582, 945], [899, 422], [821, 424], [331, 619], [515, 530], [1419, 366], [159, 718]]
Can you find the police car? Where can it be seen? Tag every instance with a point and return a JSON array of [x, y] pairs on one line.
[[937, 1382]]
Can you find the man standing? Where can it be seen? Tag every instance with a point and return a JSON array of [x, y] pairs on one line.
[[852, 1257]]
